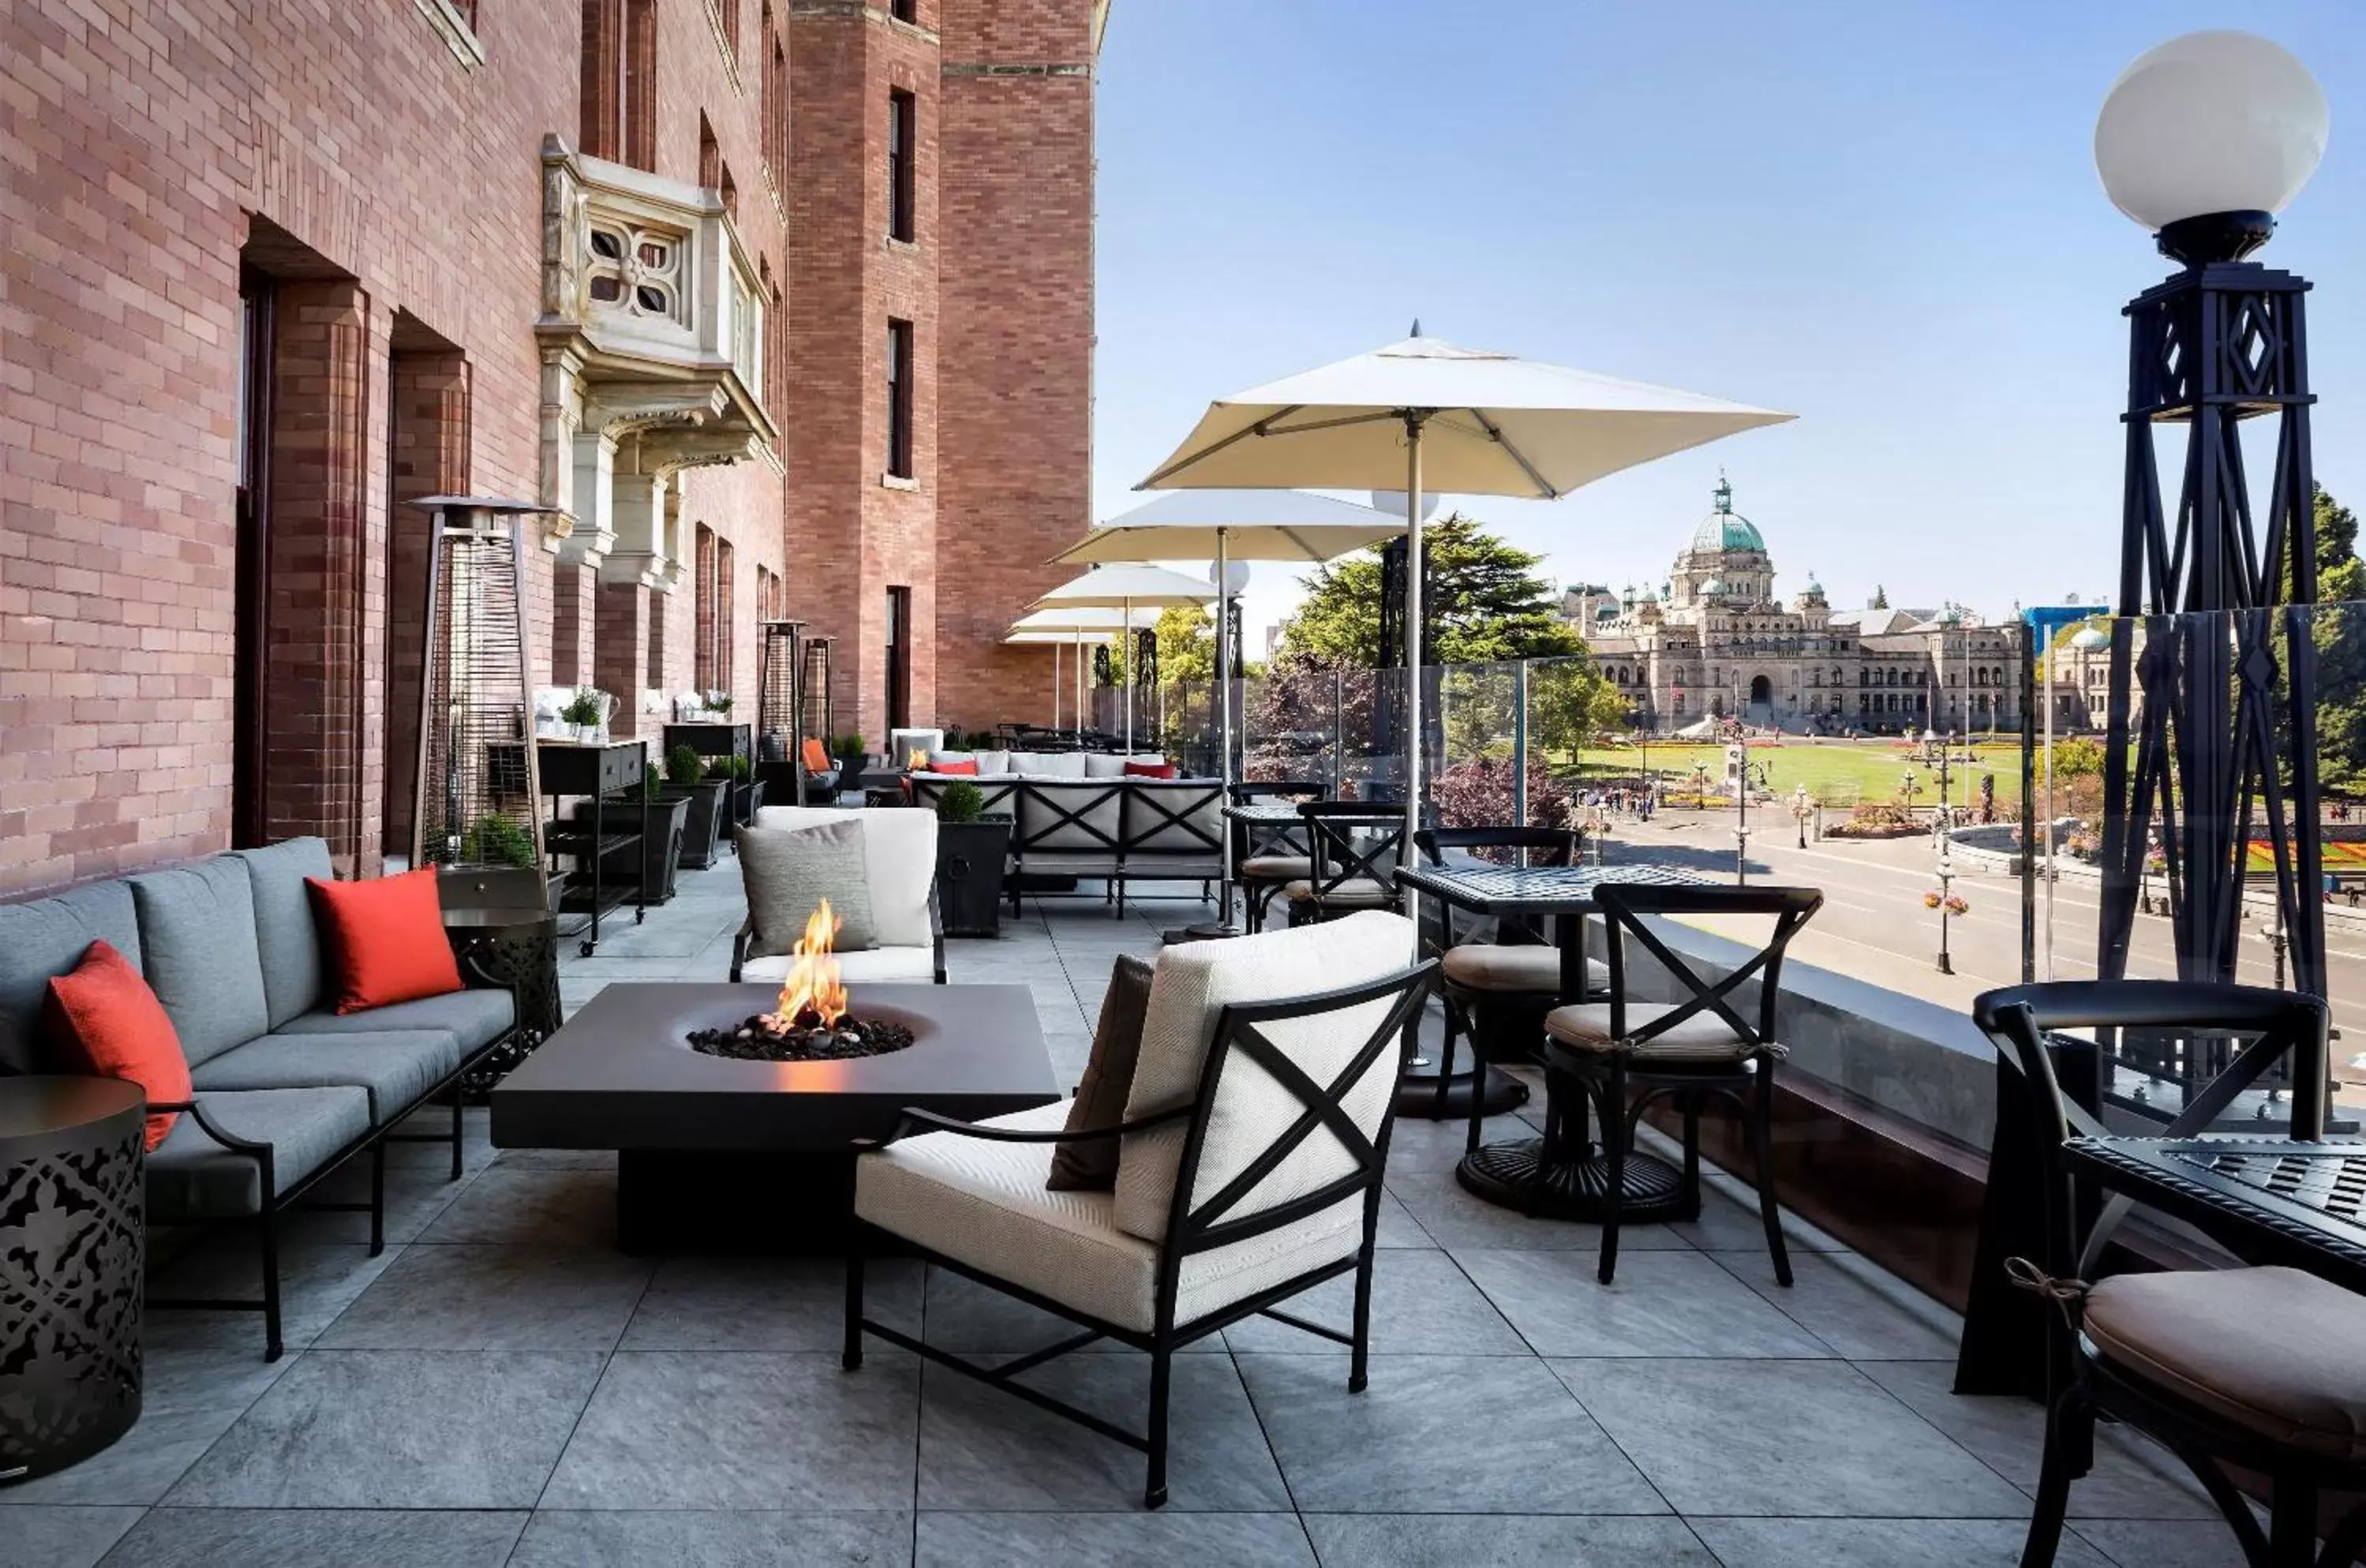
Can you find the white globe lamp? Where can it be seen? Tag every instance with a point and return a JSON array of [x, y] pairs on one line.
[[2206, 138], [1235, 579]]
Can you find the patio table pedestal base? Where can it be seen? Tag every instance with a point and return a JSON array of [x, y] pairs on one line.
[[1418, 1097], [734, 1203], [1518, 1174]]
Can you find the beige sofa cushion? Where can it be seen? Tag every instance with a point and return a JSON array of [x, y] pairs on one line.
[[1193, 984], [899, 846]]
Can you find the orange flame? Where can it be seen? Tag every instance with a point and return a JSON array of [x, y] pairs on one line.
[[813, 989], [918, 759]]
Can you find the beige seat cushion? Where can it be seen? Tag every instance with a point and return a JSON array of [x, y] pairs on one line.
[[855, 968], [2273, 1351], [1493, 967], [1355, 890], [1703, 1037], [987, 1204], [1277, 868]]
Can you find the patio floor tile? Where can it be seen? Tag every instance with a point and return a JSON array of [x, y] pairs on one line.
[[1784, 1437], [1457, 1219], [189, 1396], [1663, 1303], [526, 1207], [305, 1537], [61, 1536], [477, 1297], [983, 1448], [568, 1538], [1422, 1304], [969, 1319], [1858, 1310], [316, 1281], [1877, 1543], [2131, 1543], [1502, 1541], [398, 1429], [1164, 1540], [766, 1303], [1439, 1434], [698, 1430], [2133, 1479]]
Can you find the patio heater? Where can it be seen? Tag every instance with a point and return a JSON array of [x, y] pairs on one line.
[[817, 720], [477, 782], [780, 733], [2202, 140]]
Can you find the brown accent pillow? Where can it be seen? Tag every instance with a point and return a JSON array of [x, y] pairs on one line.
[[1108, 1080]]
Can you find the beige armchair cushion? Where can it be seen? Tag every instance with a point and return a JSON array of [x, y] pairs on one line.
[[2275, 1351], [899, 847], [988, 1205], [869, 964], [1193, 984], [1277, 868], [1703, 1037], [1354, 890]]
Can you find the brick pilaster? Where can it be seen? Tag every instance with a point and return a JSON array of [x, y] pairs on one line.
[[428, 434], [620, 651]]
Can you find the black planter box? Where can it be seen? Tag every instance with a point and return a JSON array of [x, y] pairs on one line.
[[702, 833], [971, 857], [745, 799], [649, 863]]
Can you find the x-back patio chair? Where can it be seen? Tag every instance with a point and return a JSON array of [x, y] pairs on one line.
[[1254, 1138], [2261, 1369], [1355, 846]]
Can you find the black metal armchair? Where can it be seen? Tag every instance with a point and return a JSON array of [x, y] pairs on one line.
[[1268, 859], [1353, 847], [2251, 1368]]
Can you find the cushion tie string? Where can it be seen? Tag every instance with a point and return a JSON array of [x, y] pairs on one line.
[[2068, 1295]]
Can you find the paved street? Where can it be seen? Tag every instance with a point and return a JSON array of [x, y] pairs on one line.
[[1874, 926]]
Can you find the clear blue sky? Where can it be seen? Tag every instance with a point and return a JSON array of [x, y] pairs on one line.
[[1880, 215]]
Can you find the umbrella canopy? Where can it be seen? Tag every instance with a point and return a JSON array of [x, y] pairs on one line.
[[1248, 524], [1427, 415], [1491, 425], [1066, 619], [1129, 586]]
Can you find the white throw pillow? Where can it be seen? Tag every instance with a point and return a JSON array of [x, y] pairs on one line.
[[1053, 765], [1099, 765], [1194, 983], [992, 764], [899, 845]]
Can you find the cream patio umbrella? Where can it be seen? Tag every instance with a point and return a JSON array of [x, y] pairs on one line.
[[1426, 414], [1077, 625], [1224, 526], [1126, 588]]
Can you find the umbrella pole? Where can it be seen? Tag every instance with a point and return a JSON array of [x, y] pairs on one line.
[[1055, 687], [1413, 640], [1224, 697], [1125, 618]]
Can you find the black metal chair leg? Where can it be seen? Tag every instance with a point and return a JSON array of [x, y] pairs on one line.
[[459, 1129], [378, 1198], [1153, 1494], [1446, 1058], [1761, 1118], [1614, 1153], [2054, 1476], [2292, 1524], [1691, 1106], [851, 1357], [1360, 1353]]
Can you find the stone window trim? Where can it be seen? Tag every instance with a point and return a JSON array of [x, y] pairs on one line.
[[725, 44], [458, 33], [899, 481]]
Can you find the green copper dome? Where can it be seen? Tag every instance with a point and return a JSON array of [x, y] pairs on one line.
[[1726, 529]]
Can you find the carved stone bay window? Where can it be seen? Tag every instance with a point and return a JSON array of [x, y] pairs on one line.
[[652, 338]]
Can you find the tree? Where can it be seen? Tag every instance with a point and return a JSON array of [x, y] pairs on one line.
[[1880, 598], [2340, 637], [1187, 646], [1484, 604]]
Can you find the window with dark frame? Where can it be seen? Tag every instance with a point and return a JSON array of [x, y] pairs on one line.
[[899, 398], [640, 119], [907, 11], [903, 157], [899, 660]]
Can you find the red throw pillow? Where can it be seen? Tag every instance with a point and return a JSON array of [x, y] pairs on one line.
[[817, 757], [384, 940], [967, 769], [1150, 770], [103, 1019]]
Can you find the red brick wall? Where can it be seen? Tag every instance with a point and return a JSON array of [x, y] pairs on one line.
[[143, 140], [427, 429], [1014, 417]]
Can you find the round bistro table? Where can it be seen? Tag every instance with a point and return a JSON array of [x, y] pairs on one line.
[[72, 1252]]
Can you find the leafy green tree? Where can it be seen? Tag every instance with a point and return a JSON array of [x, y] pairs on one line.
[[2340, 637]]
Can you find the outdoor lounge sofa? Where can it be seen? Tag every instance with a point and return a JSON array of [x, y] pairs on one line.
[[285, 1090], [1118, 829]]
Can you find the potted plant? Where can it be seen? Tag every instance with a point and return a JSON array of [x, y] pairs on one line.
[[685, 774], [972, 850], [658, 817], [586, 713], [851, 755]]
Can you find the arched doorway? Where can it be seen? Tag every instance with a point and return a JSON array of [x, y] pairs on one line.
[[1762, 690]]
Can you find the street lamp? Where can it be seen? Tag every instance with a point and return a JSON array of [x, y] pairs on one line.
[[1935, 753], [2203, 141], [1799, 811], [1947, 904]]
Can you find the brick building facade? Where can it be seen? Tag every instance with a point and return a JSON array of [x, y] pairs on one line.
[[277, 266]]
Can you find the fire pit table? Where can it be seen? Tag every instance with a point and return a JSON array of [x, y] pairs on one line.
[[715, 1154]]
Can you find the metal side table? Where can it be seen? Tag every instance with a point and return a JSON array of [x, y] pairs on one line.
[[513, 950], [72, 1252]]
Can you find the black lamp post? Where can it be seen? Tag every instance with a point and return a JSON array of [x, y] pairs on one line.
[[2202, 140]]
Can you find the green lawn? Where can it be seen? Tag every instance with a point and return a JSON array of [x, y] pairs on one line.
[[1840, 772]]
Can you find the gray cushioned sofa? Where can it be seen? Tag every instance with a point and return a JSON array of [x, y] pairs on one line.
[[1117, 829], [284, 1089]]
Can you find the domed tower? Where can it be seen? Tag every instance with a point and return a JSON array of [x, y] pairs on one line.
[[1813, 609], [1727, 559]]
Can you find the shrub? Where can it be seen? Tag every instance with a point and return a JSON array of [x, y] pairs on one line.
[[1481, 795], [848, 747], [582, 708], [496, 840], [1875, 819], [652, 782], [684, 767], [960, 801], [740, 769]]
